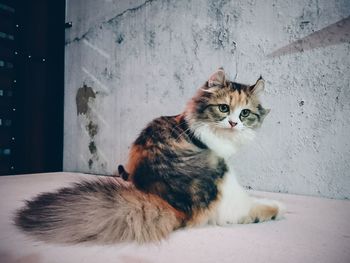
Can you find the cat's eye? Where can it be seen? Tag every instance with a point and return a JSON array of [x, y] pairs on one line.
[[245, 112], [224, 108]]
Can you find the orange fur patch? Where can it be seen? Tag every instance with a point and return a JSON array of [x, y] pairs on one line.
[[136, 154], [261, 213]]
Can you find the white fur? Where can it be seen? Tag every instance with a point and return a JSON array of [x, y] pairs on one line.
[[235, 203], [224, 143]]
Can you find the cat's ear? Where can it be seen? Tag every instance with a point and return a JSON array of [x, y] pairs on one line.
[[218, 79], [258, 87], [263, 112], [267, 111]]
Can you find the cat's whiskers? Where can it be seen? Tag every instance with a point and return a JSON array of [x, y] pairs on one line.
[[182, 133], [178, 126], [191, 135], [186, 120], [174, 128]]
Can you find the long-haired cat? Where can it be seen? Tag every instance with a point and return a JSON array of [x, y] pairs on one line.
[[179, 172]]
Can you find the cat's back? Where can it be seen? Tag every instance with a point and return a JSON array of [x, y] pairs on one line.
[[164, 130], [163, 143], [167, 160]]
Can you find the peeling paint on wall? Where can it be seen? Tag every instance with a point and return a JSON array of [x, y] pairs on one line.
[[82, 99], [92, 129], [85, 100]]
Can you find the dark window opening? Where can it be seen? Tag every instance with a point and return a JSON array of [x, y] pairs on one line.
[[31, 85]]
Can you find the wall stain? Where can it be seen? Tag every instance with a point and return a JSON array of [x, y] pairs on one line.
[[92, 129], [150, 38], [179, 82], [107, 73], [86, 95], [220, 33], [120, 38], [82, 99], [91, 162], [92, 147]]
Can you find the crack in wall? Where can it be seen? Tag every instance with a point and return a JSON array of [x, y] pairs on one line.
[[91, 29]]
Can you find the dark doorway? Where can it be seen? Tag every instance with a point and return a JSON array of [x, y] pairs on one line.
[[31, 85]]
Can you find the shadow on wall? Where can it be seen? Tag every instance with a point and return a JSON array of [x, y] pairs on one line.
[[336, 33]]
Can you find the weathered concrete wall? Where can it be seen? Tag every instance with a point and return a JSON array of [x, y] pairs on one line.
[[130, 61]]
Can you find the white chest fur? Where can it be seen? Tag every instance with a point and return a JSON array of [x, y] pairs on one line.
[[224, 144]]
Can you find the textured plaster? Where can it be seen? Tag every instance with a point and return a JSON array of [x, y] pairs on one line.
[[143, 59]]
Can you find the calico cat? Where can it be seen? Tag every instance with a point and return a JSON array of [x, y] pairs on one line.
[[179, 177]]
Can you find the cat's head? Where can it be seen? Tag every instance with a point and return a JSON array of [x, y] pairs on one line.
[[227, 106]]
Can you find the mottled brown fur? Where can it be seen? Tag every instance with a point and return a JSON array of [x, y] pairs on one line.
[[100, 211]]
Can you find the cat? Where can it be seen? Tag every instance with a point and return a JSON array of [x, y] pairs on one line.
[[178, 172]]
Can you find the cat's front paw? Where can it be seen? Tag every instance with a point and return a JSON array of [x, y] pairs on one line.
[[264, 210]]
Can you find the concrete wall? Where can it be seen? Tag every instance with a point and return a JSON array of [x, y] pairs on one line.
[[130, 61]]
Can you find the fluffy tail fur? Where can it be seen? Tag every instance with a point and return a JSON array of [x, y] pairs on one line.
[[102, 211]]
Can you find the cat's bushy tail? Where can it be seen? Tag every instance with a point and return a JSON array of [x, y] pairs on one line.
[[102, 211]]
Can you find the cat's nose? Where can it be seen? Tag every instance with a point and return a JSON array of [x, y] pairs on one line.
[[232, 123]]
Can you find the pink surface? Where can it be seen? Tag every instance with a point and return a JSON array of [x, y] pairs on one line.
[[314, 230]]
